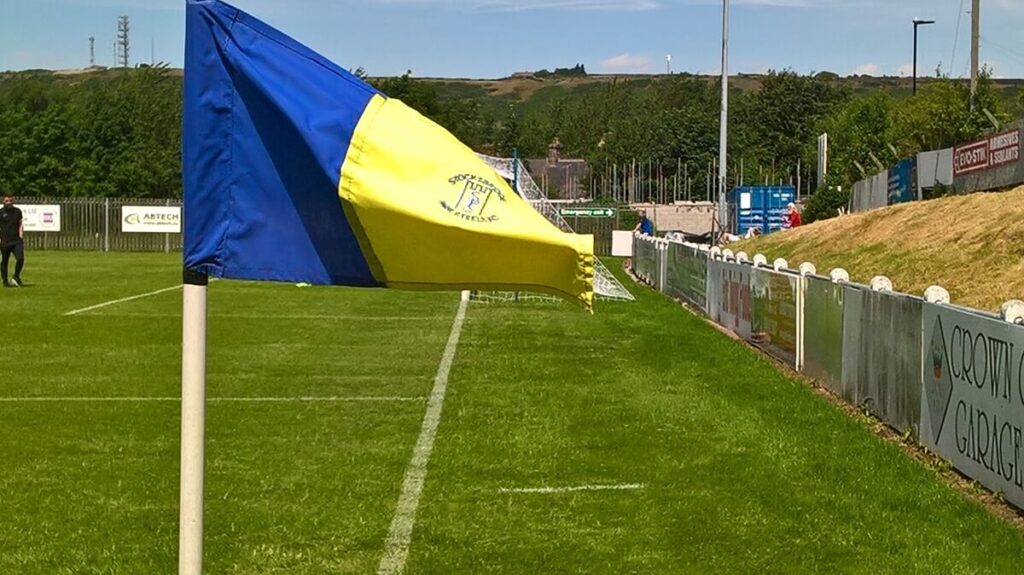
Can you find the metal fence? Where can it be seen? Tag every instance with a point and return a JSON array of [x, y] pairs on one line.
[[96, 224], [882, 354], [686, 274], [646, 262], [600, 228], [823, 331], [776, 310], [992, 162], [950, 376]]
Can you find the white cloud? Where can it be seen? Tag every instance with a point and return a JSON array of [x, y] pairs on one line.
[[627, 64], [905, 71], [866, 70]]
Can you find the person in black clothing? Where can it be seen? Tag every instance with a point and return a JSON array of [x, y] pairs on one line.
[[12, 233]]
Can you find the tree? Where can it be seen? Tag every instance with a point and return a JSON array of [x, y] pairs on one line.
[[857, 129], [940, 115], [832, 196], [780, 119]]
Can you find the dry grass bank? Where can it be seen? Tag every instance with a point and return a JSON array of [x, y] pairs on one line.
[[972, 245]]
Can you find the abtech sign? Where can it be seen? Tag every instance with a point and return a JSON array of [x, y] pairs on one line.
[[151, 219], [994, 151]]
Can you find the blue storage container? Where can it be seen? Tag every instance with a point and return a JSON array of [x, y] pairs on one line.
[[763, 207]]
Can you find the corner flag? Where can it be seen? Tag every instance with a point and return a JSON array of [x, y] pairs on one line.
[[296, 170]]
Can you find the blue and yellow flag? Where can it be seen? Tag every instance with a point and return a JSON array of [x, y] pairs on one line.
[[296, 170]]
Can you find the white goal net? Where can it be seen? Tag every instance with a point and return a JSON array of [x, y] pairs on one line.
[[605, 284]]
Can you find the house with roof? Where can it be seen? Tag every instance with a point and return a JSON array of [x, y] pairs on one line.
[[565, 178]]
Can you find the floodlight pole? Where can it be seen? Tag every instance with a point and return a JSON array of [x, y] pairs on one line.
[[918, 22], [193, 422], [724, 134]]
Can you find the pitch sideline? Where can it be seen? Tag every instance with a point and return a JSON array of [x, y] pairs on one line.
[[122, 300], [396, 549]]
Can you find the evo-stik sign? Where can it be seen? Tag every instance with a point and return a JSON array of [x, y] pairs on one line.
[[972, 401]]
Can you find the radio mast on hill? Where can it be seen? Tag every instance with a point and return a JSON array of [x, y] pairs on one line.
[[92, 51], [123, 41]]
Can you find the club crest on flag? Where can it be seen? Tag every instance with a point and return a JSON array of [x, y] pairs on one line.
[[474, 198]]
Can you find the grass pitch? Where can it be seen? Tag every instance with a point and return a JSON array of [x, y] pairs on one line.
[[739, 468]]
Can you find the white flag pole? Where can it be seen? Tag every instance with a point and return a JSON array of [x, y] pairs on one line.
[[193, 423]]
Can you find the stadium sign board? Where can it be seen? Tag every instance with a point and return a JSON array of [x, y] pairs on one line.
[[151, 219], [993, 151], [972, 401], [41, 217]]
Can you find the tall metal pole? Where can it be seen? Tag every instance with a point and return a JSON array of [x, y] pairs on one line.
[[975, 40], [915, 57], [918, 22], [724, 135]]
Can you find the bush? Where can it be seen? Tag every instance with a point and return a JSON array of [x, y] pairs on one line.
[[826, 202]]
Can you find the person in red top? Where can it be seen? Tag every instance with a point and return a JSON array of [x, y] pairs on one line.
[[793, 217]]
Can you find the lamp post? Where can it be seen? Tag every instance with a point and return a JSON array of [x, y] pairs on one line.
[[724, 132], [918, 22]]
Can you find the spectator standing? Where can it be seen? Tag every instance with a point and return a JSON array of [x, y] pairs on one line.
[[12, 241]]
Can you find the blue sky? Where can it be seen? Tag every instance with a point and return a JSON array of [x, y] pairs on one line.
[[494, 38]]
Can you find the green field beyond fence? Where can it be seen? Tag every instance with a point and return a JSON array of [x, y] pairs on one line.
[[637, 440]]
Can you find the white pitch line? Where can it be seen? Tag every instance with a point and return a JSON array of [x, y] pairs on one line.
[[210, 399], [396, 548], [619, 487], [122, 300]]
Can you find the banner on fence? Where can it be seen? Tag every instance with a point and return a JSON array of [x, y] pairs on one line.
[[934, 168], [686, 274], [151, 219], [901, 188], [973, 396], [775, 315], [823, 332], [994, 151], [729, 296], [882, 355], [645, 260], [41, 217]]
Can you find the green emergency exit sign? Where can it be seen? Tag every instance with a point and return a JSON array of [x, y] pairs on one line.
[[587, 212]]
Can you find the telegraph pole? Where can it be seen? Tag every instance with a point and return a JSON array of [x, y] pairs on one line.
[[975, 41]]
